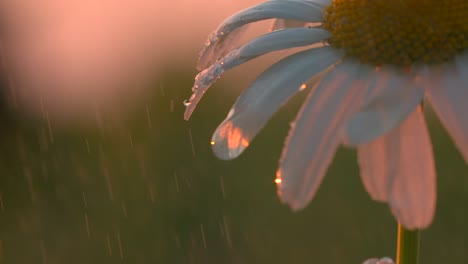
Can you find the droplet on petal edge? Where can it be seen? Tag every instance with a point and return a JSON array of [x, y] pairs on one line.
[[229, 141], [187, 103], [207, 77], [278, 182]]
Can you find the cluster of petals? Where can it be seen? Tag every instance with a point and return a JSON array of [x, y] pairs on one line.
[[374, 109]]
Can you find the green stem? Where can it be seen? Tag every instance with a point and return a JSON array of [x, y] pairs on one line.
[[407, 246]]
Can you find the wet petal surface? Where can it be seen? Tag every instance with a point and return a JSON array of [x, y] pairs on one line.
[[265, 96], [411, 172], [315, 135], [220, 41], [273, 41], [447, 93], [390, 105]]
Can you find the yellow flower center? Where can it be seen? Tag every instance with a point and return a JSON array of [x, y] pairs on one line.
[[399, 32]]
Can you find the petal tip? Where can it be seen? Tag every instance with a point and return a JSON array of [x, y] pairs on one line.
[[413, 222], [228, 141]]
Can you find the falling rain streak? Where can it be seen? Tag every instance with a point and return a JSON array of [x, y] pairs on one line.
[[88, 230], [191, 141], [124, 209], [105, 171], [29, 180], [227, 232], [202, 229], [151, 193], [148, 116], [87, 146], [130, 138], [51, 134], [109, 245], [119, 242], [85, 203]]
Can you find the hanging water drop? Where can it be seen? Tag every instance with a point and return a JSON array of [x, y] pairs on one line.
[[187, 103]]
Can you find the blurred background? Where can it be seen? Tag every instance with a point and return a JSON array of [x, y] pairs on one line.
[[98, 166]]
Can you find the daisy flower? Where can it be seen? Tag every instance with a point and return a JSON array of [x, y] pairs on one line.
[[370, 65]]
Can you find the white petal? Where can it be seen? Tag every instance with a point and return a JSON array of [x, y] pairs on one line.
[[220, 40], [323, 3], [273, 41], [462, 67], [315, 135], [283, 39], [265, 96], [393, 102], [373, 163], [411, 172], [448, 93]]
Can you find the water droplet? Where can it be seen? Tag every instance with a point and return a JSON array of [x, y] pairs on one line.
[[302, 87], [229, 141], [231, 113], [187, 103], [213, 38], [208, 76], [278, 182]]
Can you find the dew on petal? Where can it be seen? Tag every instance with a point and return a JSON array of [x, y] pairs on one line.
[[207, 77], [278, 182], [187, 103], [229, 141]]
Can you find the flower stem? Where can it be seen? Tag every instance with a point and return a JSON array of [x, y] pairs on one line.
[[407, 246]]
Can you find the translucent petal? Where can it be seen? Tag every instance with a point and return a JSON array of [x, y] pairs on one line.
[[315, 135], [288, 23], [448, 93], [373, 163], [265, 96], [285, 23], [392, 103], [218, 44], [284, 39], [273, 41], [323, 3], [411, 168]]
